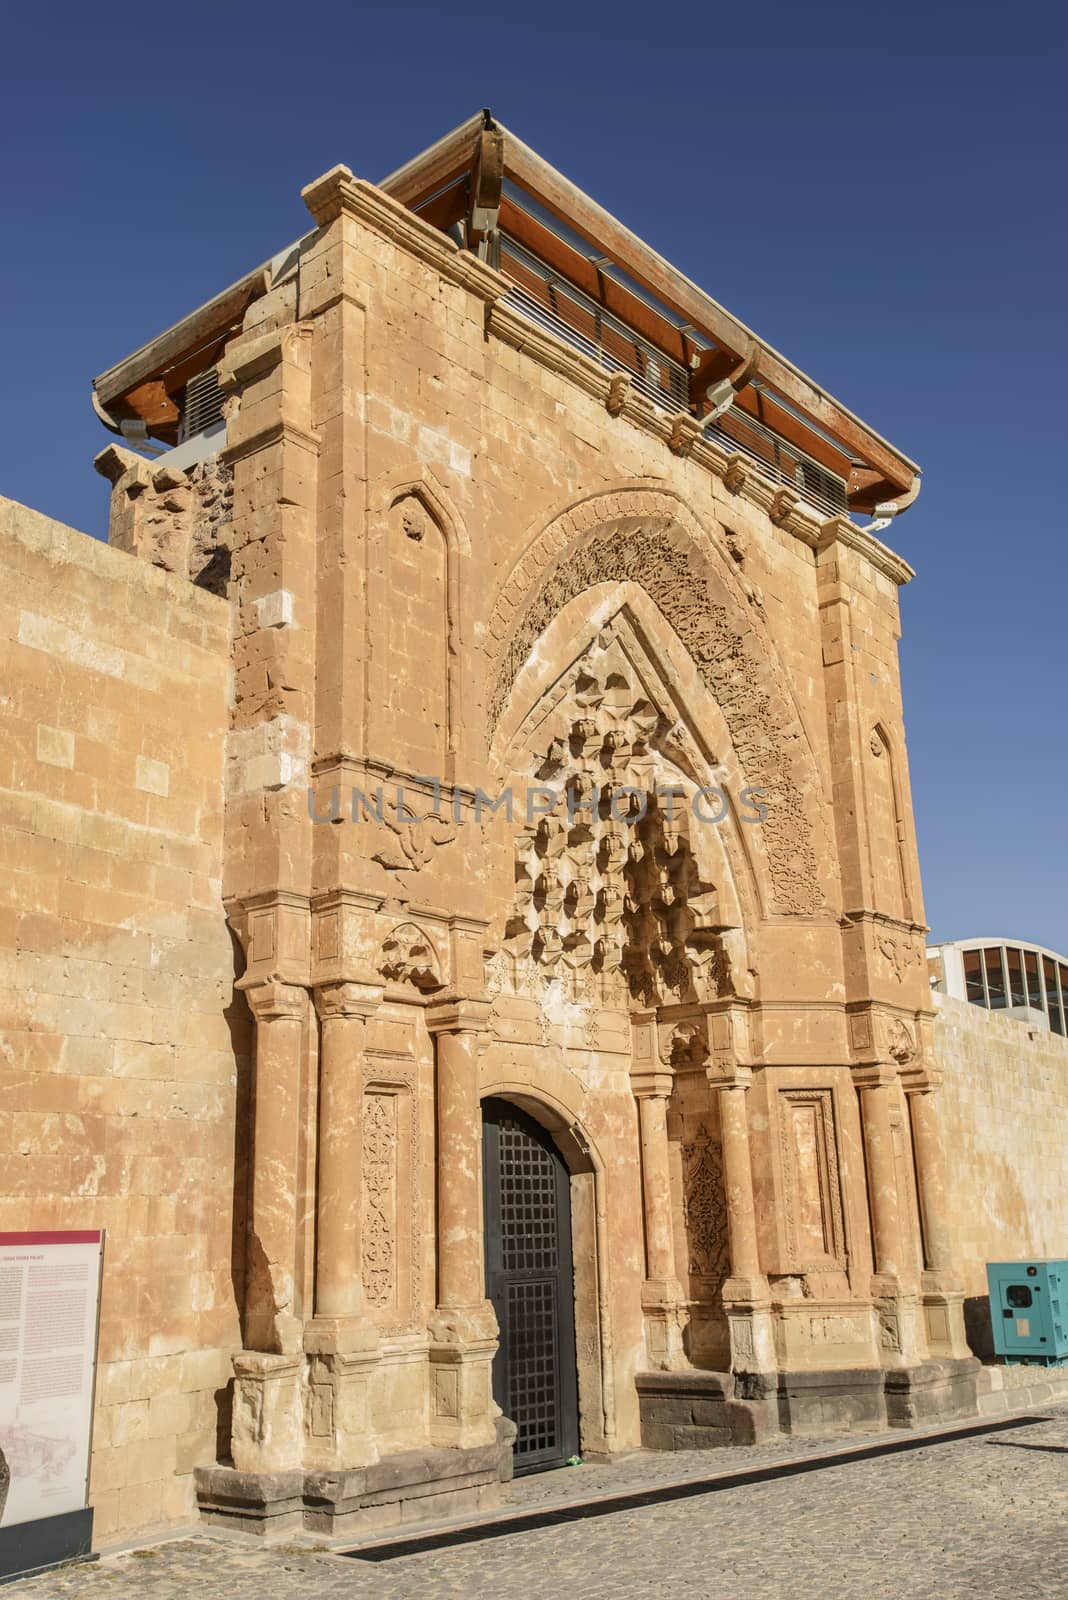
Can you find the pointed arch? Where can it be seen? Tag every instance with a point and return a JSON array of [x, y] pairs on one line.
[[649, 537], [420, 485], [883, 748], [615, 628]]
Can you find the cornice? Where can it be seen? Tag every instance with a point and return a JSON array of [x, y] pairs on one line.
[[512, 328], [679, 431], [839, 530], [338, 193]]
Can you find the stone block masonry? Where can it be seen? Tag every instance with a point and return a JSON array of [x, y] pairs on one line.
[[122, 1051], [1006, 1121]]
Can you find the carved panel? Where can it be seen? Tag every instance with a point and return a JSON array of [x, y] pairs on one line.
[[408, 956], [661, 562], [391, 1272], [812, 1192], [900, 951], [380, 1199], [705, 1209]]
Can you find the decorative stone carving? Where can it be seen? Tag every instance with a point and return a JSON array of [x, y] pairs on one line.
[[687, 1046], [784, 503], [684, 431], [899, 952], [662, 563], [408, 956], [618, 390], [392, 1267], [704, 1208], [613, 887], [902, 1044], [889, 1330], [413, 519], [736, 473], [407, 841], [380, 1198]]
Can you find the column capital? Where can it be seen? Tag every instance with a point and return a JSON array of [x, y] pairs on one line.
[[875, 1075], [648, 1084], [457, 1013], [730, 1077], [272, 999], [347, 999], [926, 1082]]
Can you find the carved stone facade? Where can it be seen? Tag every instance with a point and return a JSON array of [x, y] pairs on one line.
[[565, 766]]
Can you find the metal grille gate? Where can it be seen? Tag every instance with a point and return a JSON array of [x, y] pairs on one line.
[[530, 1281]]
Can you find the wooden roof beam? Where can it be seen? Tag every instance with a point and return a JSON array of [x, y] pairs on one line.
[[607, 234], [200, 329]]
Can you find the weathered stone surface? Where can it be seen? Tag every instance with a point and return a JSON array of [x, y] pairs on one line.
[[124, 1057], [1005, 1120], [450, 562]]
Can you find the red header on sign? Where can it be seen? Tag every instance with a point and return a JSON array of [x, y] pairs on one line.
[[84, 1236]]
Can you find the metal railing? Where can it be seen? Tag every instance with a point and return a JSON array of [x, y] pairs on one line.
[[556, 305], [781, 462], [562, 309]]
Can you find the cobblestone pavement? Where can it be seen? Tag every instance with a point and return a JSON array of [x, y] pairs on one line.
[[986, 1515]]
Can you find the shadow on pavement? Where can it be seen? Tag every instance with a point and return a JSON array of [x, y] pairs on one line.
[[633, 1500]]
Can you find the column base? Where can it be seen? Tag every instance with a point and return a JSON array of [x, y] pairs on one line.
[[463, 1343], [342, 1354], [899, 1323], [401, 1490], [748, 1311], [943, 1315], [663, 1325], [267, 1427]]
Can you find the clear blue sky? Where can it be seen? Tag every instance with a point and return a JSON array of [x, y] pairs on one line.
[[878, 189]]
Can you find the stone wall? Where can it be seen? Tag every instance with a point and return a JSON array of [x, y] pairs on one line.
[[121, 1055], [1005, 1110]]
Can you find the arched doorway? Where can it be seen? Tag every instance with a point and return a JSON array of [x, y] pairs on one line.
[[530, 1281]]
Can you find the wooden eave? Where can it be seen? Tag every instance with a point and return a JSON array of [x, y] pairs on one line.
[[884, 471], [144, 383]]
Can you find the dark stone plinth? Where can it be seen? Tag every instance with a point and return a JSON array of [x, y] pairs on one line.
[[833, 1401], [933, 1391], [700, 1411], [410, 1487]]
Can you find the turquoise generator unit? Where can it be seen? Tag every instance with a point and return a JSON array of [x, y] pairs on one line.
[[1029, 1311]]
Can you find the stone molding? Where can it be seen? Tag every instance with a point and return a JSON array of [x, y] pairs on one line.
[[839, 530], [272, 1000], [458, 1013], [339, 193], [680, 431], [347, 999]]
